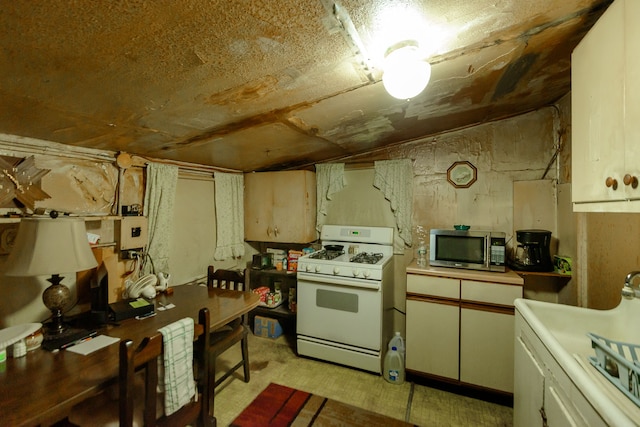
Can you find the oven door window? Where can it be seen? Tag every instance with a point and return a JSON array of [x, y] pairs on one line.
[[335, 300], [340, 314]]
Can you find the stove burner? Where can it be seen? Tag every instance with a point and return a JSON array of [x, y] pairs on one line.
[[367, 258], [325, 254]]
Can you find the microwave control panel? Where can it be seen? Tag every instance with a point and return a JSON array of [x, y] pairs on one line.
[[498, 251]]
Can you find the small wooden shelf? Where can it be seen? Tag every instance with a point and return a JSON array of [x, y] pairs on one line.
[[544, 274], [9, 220], [280, 312], [287, 279], [103, 245], [274, 272]]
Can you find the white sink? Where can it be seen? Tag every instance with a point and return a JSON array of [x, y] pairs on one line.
[[569, 325], [563, 329]]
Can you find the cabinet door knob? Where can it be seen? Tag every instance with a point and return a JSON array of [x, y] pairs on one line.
[[275, 231], [612, 183], [630, 180], [269, 231]]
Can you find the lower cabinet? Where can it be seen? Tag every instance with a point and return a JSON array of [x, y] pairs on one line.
[[486, 348], [432, 349], [461, 331]]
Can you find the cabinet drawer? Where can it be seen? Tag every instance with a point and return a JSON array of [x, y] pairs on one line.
[[433, 286], [491, 293]]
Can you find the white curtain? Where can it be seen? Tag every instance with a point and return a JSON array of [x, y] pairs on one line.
[[395, 179], [229, 216], [329, 180], [159, 200]]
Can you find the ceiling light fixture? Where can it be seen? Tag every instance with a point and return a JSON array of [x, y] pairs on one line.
[[406, 72]]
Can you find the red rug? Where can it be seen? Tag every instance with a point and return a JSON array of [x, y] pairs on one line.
[[278, 405]]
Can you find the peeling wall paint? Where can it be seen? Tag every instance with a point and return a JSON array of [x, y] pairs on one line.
[[79, 187], [516, 149]]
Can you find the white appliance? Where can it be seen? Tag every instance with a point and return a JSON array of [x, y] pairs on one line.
[[345, 297]]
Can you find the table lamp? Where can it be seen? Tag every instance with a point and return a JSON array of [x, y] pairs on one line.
[[50, 246]]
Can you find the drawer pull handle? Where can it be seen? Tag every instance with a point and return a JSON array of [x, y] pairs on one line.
[[612, 183]]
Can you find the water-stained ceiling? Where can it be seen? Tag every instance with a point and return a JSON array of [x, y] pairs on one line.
[[258, 85]]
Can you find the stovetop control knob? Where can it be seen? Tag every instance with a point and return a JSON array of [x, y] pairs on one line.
[[355, 272], [307, 267], [336, 270], [367, 273], [317, 269]]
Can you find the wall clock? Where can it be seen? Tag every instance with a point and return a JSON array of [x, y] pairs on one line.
[[462, 174]]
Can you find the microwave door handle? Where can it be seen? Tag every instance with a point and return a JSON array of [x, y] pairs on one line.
[[487, 252]]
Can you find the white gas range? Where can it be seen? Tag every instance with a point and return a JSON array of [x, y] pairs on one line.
[[345, 297]]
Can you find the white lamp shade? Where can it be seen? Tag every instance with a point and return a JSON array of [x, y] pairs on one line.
[[406, 74], [45, 246]]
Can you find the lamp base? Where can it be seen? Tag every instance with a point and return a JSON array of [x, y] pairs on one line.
[[56, 297]]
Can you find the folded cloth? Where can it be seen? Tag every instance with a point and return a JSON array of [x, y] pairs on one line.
[[177, 380]]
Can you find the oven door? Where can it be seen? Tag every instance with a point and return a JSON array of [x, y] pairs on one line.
[[341, 310]]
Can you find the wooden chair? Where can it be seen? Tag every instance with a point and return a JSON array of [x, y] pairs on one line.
[[227, 336], [144, 358]]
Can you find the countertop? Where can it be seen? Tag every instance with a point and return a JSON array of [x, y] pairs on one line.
[[508, 277]]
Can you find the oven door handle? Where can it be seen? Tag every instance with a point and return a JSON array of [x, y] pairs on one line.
[[338, 280]]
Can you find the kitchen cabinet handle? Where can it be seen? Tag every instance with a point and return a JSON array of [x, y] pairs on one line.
[[630, 180], [612, 183], [269, 231], [275, 231]]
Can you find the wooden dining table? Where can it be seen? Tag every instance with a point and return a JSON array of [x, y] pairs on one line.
[[42, 387]]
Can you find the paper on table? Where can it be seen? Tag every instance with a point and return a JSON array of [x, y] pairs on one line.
[[93, 344]]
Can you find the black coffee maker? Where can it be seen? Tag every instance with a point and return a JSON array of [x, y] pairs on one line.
[[532, 252]]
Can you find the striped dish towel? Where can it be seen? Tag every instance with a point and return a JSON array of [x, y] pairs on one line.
[[177, 381]]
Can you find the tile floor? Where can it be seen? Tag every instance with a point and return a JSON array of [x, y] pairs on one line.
[[276, 361]]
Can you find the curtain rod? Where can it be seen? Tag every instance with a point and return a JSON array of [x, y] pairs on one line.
[[359, 165], [193, 168]]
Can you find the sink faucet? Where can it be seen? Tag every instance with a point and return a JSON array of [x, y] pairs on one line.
[[629, 291]]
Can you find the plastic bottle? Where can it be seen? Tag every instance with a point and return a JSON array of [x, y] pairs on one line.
[[398, 342], [421, 248], [422, 253], [393, 367]]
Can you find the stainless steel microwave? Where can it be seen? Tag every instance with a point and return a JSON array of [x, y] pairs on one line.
[[475, 250]]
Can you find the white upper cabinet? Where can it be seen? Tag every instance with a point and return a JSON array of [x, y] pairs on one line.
[[280, 206], [605, 100]]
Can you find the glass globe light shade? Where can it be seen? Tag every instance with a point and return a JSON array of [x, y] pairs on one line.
[[406, 74]]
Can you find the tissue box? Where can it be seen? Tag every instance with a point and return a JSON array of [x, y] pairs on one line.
[[266, 327], [562, 265]]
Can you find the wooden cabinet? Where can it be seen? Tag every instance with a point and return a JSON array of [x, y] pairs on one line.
[[486, 348], [461, 330], [433, 324], [605, 113], [280, 206]]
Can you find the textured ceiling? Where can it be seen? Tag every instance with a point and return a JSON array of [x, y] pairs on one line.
[[258, 85]]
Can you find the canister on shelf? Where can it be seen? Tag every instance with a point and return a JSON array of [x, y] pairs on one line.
[[292, 299]]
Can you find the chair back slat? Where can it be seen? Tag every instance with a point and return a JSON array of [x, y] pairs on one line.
[[226, 279]]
